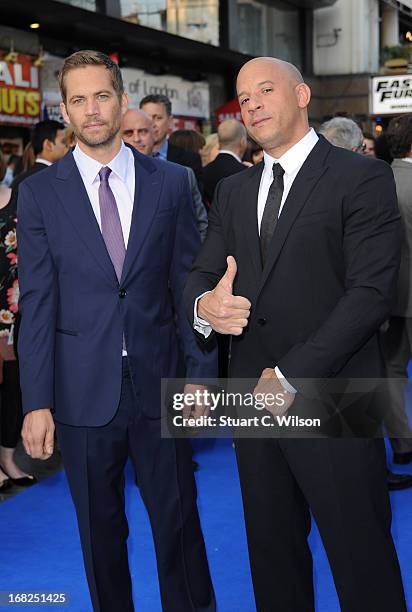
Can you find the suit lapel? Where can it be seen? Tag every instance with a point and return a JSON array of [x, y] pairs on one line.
[[148, 182], [249, 195], [303, 185], [73, 195]]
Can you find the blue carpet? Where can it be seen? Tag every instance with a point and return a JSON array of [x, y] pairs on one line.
[[40, 547]]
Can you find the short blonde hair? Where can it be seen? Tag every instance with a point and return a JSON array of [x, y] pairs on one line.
[[211, 143]]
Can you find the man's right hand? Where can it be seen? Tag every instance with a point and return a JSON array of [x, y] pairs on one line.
[[38, 433], [226, 313]]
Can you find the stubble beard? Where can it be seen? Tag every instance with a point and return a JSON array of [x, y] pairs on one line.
[[100, 140]]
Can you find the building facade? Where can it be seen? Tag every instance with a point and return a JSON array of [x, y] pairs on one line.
[[192, 49], [353, 42]]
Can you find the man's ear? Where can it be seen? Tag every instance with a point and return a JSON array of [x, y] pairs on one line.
[[303, 95], [171, 124], [124, 102], [48, 145], [64, 112]]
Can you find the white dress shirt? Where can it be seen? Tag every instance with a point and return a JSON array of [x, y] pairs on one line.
[[40, 160], [121, 181], [291, 162]]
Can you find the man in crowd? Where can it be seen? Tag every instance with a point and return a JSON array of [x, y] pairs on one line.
[[49, 145], [348, 136], [159, 109], [106, 238], [368, 144], [343, 132], [397, 341], [232, 139], [299, 266], [137, 130]]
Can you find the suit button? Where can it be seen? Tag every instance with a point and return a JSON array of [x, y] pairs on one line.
[[262, 321], [122, 293]]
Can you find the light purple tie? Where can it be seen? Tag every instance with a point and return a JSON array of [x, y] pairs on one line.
[[110, 221]]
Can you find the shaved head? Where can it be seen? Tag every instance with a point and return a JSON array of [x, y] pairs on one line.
[[230, 132], [273, 99], [133, 114], [137, 130], [289, 70]]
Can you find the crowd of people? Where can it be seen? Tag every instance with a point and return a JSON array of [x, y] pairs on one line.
[[56, 224]]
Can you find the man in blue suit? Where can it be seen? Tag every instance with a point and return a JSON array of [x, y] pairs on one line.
[[106, 238]]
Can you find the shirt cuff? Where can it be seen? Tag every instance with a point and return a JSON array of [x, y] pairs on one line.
[[287, 386], [200, 325]]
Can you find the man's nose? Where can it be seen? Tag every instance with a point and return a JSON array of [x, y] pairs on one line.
[[92, 107], [255, 103]]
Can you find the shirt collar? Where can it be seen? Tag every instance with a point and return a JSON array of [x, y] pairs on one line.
[[163, 149], [407, 159], [40, 160], [89, 168], [230, 153], [295, 156]]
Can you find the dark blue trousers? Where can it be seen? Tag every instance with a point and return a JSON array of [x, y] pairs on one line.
[[94, 460]]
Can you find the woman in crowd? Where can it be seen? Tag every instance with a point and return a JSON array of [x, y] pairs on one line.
[[210, 150], [190, 140], [10, 409], [256, 153], [12, 169]]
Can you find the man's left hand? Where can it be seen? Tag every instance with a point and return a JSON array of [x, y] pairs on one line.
[[275, 397]]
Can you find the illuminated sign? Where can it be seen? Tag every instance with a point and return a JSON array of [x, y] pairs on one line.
[[391, 94], [19, 92]]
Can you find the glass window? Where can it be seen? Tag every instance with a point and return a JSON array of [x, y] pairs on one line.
[[264, 30], [195, 19], [89, 5], [250, 39]]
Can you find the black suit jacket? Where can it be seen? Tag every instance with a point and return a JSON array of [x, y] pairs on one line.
[[186, 158], [20, 178], [223, 166], [329, 279]]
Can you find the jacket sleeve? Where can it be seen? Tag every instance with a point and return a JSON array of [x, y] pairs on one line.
[[210, 264], [200, 360], [371, 248], [199, 207], [37, 305]]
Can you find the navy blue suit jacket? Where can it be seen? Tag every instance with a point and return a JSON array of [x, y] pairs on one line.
[[74, 311]]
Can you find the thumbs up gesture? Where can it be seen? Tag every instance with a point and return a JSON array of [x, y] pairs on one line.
[[226, 313]]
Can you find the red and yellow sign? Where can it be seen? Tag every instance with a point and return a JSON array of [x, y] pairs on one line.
[[20, 98], [230, 110]]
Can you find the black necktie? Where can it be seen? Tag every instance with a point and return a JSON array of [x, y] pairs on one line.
[[271, 212]]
